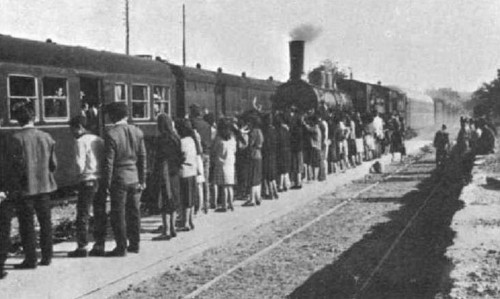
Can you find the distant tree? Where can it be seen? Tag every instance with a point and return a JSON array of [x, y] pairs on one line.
[[486, 99], [451, 97]]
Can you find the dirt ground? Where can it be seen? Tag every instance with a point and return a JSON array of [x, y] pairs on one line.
[[476, 250], [357, 251]]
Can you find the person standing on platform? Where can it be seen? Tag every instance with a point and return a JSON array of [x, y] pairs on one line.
[[255, 142], [166, 186], [224, 154], [89, 149], [188, 173], [32, 164], [442, 144], [296, 149], [205, 131], [315, 143], [124, 177], [269, 159], [6, 207], [284, 154], [378, 125]]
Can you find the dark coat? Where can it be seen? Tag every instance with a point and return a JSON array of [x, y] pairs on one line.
[[125, 155], [165, 182], [32, 162]]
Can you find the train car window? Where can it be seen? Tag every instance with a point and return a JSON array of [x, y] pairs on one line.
[[22, 89], [55, 99], [161, 100], [140, 102], [120, 92]]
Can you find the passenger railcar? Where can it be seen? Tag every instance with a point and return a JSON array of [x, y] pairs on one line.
[[57, 79], [221, 93], [195, 86], [419, 110]]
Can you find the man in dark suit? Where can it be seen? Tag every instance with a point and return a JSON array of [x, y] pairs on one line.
[[6, 207], [32, 163], [124, 177]]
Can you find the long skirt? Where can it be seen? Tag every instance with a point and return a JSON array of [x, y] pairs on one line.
[[170, 204], [255, 173], [269, 167], [351, 143], [188, 191], [333, 155], [370, 142], [396, 143], [315, 159], [297, 163], [224, 175], [360, 148]]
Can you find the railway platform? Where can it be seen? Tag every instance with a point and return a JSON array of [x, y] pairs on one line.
[[101, 277], [475, 252]]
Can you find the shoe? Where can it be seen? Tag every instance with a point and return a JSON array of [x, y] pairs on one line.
[[296, 187], [97, 252], [258, 202], [161, 238], [183, 229], [133, 249], [248, 204], [191, 226], [173, 234], [45, 262], [159, 230], [221, 210], [116, 253], [231, 208], [26, 265], [79, 252]]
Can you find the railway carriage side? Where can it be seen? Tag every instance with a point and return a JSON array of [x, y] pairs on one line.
[[57, 80]]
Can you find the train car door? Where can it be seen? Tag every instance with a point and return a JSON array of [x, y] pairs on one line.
[[92, 101]]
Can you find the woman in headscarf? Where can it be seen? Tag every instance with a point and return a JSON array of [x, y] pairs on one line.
[[167, 166]]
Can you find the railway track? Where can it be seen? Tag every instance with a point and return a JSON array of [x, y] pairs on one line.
[[339, 246], [279, 242]]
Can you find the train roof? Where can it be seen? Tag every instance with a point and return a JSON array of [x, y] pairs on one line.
[[262, 84], [24, 51], [413, 95], [195, 73]]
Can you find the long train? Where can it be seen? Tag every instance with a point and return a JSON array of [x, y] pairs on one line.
[[57, 79]]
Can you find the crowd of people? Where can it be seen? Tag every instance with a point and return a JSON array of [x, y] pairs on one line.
[[475, 137], [199, 165]]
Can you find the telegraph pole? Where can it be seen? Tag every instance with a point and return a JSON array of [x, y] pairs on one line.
[[183, 34], [127, 30]]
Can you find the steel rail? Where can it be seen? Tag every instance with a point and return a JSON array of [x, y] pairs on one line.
[[255, 256]]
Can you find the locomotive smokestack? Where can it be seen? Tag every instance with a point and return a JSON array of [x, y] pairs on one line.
[[296, 59]]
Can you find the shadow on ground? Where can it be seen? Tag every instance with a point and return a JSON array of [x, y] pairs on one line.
[[417, 266]]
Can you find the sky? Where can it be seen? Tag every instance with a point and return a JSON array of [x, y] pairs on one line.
[[417, 44]]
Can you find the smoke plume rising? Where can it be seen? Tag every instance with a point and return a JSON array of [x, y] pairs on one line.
[[305, 32]]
